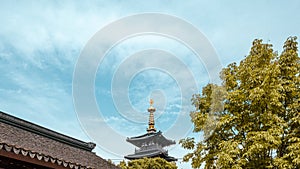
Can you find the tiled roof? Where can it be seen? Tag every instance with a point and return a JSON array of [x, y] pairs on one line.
[[156, 137], [22, 137], [150, 154], [33, 128]]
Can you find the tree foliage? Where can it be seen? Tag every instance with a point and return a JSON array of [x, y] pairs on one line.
[[258, 125], [148, 163]]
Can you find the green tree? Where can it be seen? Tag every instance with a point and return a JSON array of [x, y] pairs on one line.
[[148, 163], [258, 125]]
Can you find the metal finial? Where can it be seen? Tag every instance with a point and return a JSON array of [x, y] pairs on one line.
[[151, 102]]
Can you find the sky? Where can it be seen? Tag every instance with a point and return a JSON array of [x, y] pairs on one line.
[[53, 73]]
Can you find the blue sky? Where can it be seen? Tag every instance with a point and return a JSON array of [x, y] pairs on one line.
[[40, 43]]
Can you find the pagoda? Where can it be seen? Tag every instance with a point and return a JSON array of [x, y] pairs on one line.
[[152, 143]]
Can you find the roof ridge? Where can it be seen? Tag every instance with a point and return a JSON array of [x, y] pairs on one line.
[[40, 130]]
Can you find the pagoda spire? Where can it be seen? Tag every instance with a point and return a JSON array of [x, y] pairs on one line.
[[151, 110]]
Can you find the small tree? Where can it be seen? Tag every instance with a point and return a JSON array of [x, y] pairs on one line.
[[259, 123], [148, 163]]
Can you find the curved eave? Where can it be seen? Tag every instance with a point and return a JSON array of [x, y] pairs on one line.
[[41, 157], [151, 155], [137, 156], [156, 137]]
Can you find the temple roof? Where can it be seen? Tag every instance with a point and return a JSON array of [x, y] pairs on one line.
[[26, 140], [151, 154], [148, 137]]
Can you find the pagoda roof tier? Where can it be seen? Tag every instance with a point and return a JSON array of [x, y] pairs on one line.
[[151, 154], [155, 137]]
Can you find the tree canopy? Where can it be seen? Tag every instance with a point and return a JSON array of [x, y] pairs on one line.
[[148, 163], [257, 113]]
